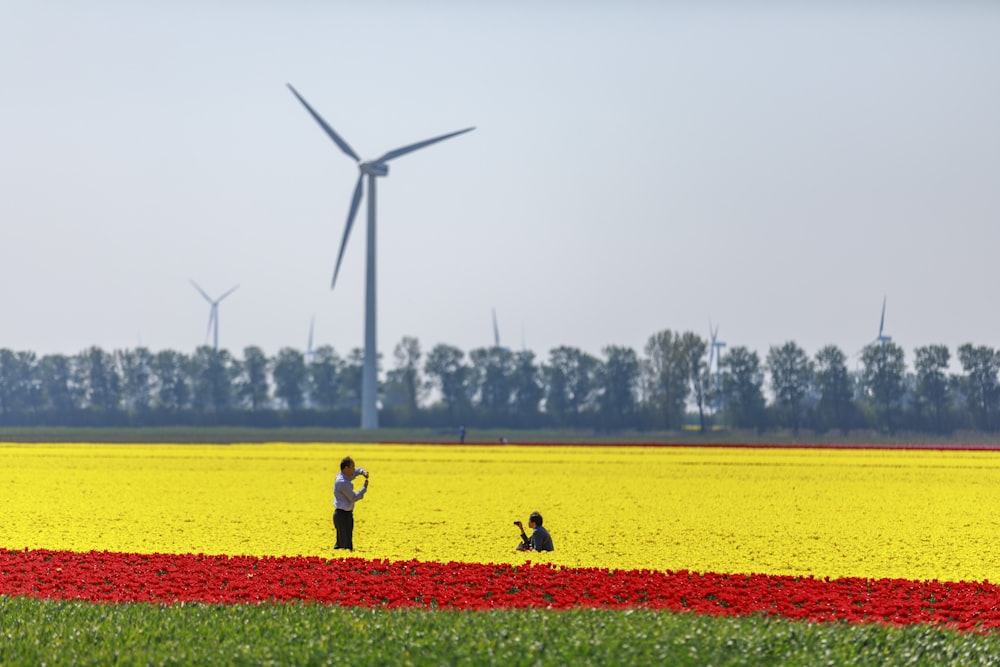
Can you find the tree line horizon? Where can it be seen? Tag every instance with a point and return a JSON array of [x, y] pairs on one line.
[[675, 383]]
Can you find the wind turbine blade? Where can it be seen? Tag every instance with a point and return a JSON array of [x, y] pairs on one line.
[[355, 200], [420, 144], [227, 294], [207, 298], [713, 332], [211, 321], [496, 329], [322, 123], [309, 345], [882, 321]]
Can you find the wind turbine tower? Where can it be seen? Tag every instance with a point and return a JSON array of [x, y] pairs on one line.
[[309, 344], [372, 169], [213, 315], [496, 330], [714, 351]]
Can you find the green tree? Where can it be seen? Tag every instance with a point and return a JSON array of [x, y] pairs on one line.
[[137, 378], [742, 382], [324, 378], [98, 373], [933, 390], [213, 373], [619, 383], [171, 381], [59, 390], [252, 386], [667, 378], [835, 408], [572, 381], [18, 389], [527, 384], [449, 374], [882, 381], [981, 387], [492, 372], [695, 348], [404, 386], [351, 371], [289, 373], [791, 379]]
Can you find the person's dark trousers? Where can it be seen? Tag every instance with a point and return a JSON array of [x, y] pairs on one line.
[[343, 521]]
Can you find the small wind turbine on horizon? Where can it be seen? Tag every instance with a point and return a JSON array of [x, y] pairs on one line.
[[213, 315], [310, 357], [496, 330], [882, 338], [309, 343], [714, 351], [372, 169]]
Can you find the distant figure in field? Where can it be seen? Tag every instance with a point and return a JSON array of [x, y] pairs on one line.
[[461, 433], [344, 498], [540, 539]]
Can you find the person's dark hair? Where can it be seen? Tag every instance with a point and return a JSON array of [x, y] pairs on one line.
[[535, 518], [345, 462]]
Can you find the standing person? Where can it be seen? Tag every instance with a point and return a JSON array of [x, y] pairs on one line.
[[540, 539], [344, 498], [461, 434]]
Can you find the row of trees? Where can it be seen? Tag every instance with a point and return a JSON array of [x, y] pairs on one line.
[[667, 387]]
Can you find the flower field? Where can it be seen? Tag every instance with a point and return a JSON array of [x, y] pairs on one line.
[[171, 578], [861, 535]]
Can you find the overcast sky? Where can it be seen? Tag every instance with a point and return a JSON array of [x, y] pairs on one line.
[[774, 168]]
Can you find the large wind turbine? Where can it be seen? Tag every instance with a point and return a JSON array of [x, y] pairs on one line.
[[213, 315], [371, 169]]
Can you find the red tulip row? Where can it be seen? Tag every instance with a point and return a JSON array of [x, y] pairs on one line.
[[168, 578]]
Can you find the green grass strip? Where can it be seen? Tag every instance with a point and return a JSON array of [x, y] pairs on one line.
[[60, 633]]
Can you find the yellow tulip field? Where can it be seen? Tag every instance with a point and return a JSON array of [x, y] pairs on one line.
[[827, 512]]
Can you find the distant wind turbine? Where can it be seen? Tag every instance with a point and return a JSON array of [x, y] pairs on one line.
[[496, 330], [309, 344], [213, 315], [372, 169], [881, 338], [310, 357], [714, 352]]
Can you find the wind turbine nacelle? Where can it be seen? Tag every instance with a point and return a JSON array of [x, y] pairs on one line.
[[375, 168]]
